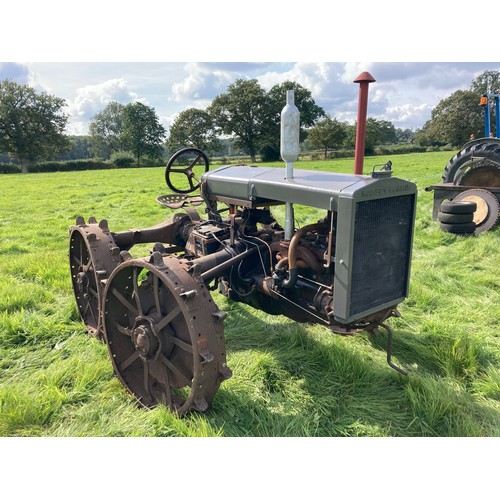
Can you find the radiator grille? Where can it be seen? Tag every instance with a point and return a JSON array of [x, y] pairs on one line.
[[381, 252]]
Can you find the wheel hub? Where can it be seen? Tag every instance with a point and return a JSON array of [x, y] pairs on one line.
[[145, 340], [82, 281]]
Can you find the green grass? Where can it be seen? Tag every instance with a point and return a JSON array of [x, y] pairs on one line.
[[288, 379]]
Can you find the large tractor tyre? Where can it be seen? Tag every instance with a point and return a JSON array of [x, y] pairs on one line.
[[466, 228], [480, 154], [455, 218], [458, 207]]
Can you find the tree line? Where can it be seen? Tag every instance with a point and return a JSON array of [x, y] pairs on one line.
[[252, 116], [459, 117], [32, 125]]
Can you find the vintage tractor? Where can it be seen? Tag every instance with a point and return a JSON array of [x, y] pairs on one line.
[[472, 176], [347, 270]]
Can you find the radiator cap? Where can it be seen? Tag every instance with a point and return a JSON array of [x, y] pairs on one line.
[[377, 174]]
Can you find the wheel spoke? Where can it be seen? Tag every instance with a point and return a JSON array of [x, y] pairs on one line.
[[124, 301], [168, 318], [174, 368], [93, 292], [146, 379], [125, 364], [160, 372], [183, 345], [88, 307], [92, 312], [195, 161], [179, 170], [124, 330], [77, 260], [136, 291], [168, 389]]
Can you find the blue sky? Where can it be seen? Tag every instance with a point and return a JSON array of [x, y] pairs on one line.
[[404, 93]]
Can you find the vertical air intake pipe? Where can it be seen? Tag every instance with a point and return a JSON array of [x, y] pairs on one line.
[[289, 146]]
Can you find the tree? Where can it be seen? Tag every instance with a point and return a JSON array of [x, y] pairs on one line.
[[310, 112], [105, 130], [406, 135], [487, 83], [194, 128], [241, 112], [458, 116], [142, 133], [424, 136], [455, 118], [329, 133], [380, 132], [80, 148], [31, 124], [377, 132]]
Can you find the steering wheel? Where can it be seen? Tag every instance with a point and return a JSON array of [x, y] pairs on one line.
[[193, 158]]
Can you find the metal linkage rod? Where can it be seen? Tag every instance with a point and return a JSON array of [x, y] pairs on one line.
[[389, 350]]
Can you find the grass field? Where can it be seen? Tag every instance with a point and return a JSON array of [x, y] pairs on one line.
[[288, 379]]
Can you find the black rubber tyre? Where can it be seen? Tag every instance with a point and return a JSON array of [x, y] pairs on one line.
[[482, 150], [466, 228], [455, 218], [458, 207]]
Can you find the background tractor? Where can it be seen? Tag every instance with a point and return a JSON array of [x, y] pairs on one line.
[[472, 176]]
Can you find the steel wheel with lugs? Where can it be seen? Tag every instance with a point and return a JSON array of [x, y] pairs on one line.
[[164, 334], [92, 258]]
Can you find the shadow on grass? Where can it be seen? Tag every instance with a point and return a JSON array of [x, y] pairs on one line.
[[296, 380]]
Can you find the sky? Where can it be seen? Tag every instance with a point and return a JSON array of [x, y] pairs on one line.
[[404, 92], [163, 53]]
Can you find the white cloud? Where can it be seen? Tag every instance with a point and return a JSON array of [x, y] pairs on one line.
[[202, 83], [352, 70], [317, 77], [92, 99], [76, 127], [189, 87], [407, 115], [167, 120]]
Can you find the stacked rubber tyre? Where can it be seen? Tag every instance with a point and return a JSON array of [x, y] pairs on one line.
[[457, 217]]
